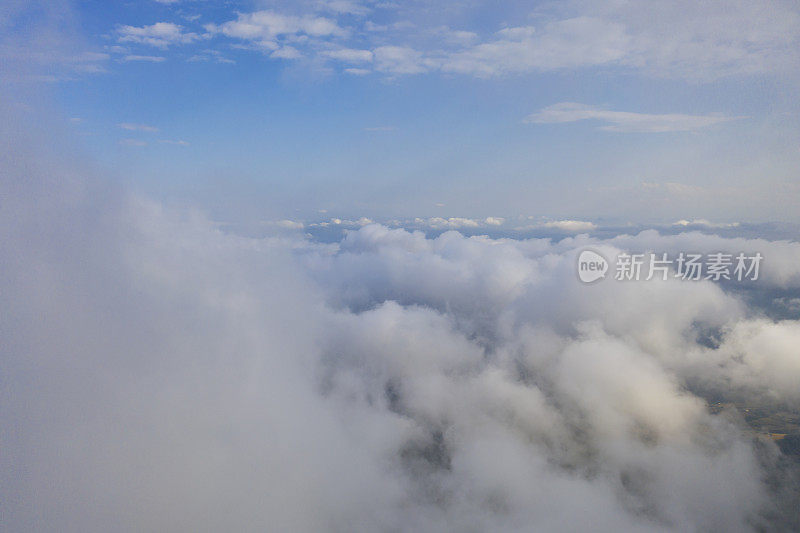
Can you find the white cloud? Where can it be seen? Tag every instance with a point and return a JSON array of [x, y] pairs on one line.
[[286, 52], [363, 221], [160, 34], [210, 55], [179, 377], [177, 142], [701, 222], [455, 37], [350, 55], [137, 127], [570, 43], [706, 41], [147, 59], [573, 226], [88, 62], [624, 121], [266, 28], [448, 223], [289, 224], [357, 71], [387, 372], [401, 60], [664, 39], [348, 7]]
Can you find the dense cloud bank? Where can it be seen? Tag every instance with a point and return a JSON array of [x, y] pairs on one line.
[[158, 374]]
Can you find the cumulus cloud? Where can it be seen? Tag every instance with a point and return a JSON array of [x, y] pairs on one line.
[[161, 374], [266, 28], [661, 39], [657, 39], [573, 226], [624, 121], [449, 223], [160, 34]]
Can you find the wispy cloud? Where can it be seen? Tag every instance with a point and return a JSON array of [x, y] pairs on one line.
[[701, 222], [347, 7], [148, 59], [132, 142], [625, 121], [575, 42], [350, 55], [137, 127], [210, 55]]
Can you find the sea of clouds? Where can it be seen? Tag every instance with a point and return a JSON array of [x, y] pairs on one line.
[[159, 374]]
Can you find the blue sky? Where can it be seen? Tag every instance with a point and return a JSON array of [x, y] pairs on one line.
[[630, 111]]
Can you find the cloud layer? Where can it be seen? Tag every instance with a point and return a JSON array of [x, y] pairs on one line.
[[679, 40], [160, 374]]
